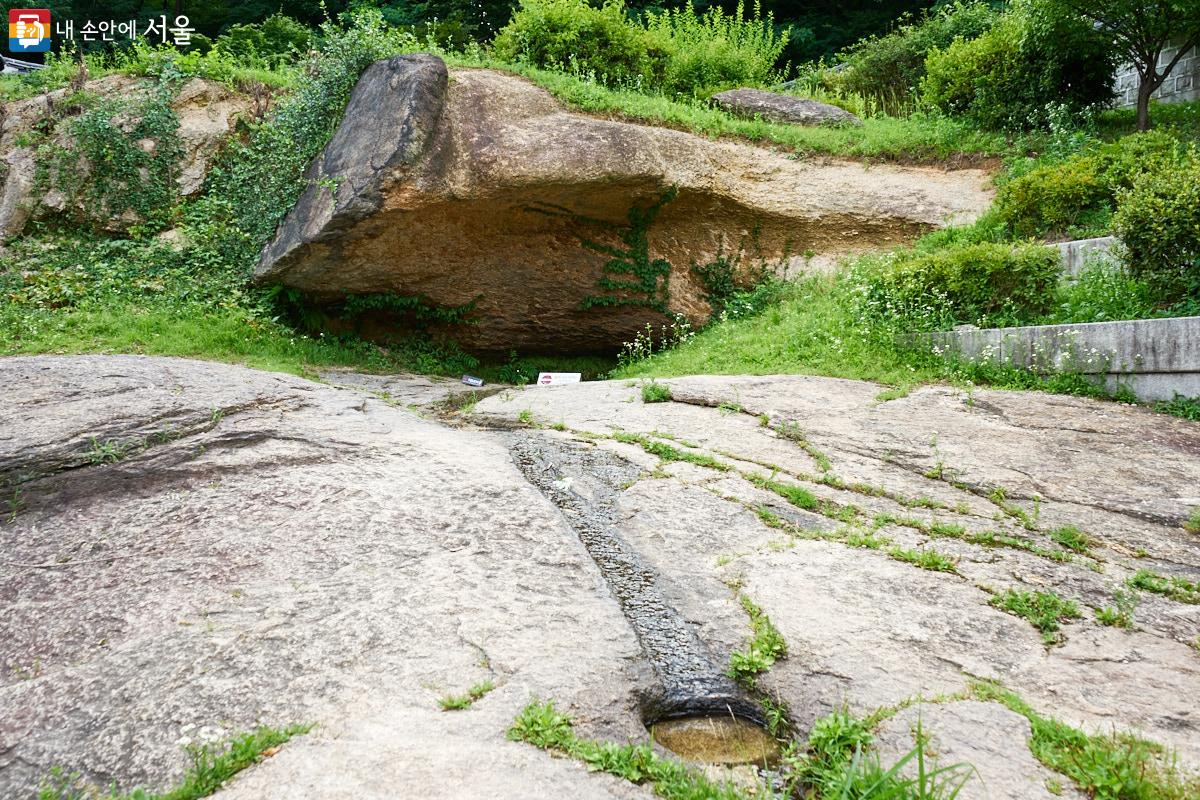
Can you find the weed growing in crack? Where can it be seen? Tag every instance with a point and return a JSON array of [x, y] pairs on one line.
[[1193, 523], [792, 431], [765, 647], [457, 702], [109, 451], [655, 392], [1072, 538], [1117, 766], [838, 763], [525, 417], [868, 541], [543, 726], [211, 766], [925, 559], [668, 453], [1120, 613], [804, 499], [1172, 586], [16, 504], [1043, 610]]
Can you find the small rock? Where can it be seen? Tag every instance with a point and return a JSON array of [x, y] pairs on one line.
[[784, 108]]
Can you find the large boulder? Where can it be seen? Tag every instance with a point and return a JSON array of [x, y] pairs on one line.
[[207, 113], [568, 231], [785, 108]]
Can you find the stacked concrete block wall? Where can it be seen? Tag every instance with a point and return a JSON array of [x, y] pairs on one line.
[[1181, 85], [1155, 358], [1074, 256]]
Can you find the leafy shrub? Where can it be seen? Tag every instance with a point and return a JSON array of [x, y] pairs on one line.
[[1158, 219], [715, 51], [1081, 191], [675, 51], [984, 284], [890, 67], [1028, 60], [1102, 293], [572, 35], [277, 39]]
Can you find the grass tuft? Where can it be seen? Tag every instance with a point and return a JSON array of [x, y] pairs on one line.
[[457, 702], [211, 766], [542, 725], [655, 392], [1044, 610], [1116, 766], [765, 647]]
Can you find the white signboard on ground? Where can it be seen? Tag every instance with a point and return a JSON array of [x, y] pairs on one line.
[[557, 378]]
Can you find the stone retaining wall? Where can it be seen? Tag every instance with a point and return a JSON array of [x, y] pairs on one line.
[[1181, 85], [1155, 358]]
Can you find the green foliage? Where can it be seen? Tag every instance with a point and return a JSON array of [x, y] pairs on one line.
[[714, 51], [122, 158], [543, 726], [1172, 586], [276, 40], [647, 282], [1180, 406], [925, 558], [1120, 613], [1082, 190], [655, 392], [1072, 538], [1102, 293], [1193, 522], [839, 764], [890, 67], [458, 702], [573, 36], [211, 766], [676, 51], [1044, 610], [1158, 219], [765, 647], [1028, 60], [981, 284], [1117, 766]]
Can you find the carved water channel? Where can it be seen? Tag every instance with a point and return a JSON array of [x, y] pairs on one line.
[[696, 710]]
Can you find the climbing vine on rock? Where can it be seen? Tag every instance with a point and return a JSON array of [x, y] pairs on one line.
[[122, 156], [630, 277]]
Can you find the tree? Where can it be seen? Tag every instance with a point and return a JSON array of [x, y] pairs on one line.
[[1142, 30]]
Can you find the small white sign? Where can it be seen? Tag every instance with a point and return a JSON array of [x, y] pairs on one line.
[[557, 378]]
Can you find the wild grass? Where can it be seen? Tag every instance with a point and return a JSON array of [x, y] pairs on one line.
[[766, 646], [838, 763], [542, 725], [458, 702], [1120, 613], [211, 766], [1172, 586], [925, 558], [1116, 766], [655, 392], [1072, 538], [1045, 611]]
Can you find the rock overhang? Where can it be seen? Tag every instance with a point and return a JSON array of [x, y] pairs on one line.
[[474, 186]]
